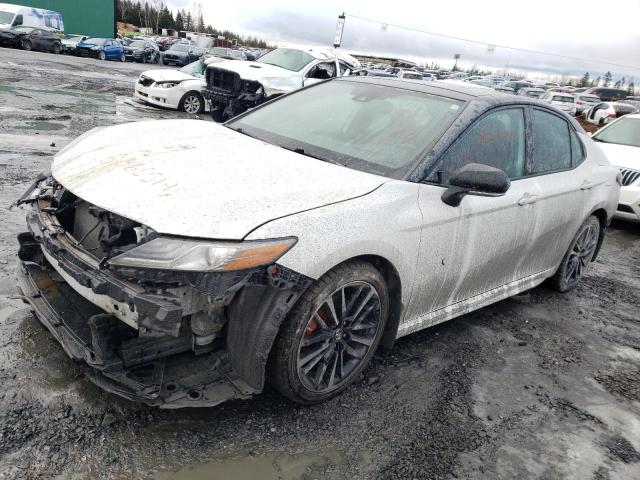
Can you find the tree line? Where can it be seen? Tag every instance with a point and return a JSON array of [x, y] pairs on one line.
[[156, 15], [606, 81]]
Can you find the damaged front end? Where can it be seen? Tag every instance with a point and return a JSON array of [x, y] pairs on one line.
[[229, 94], [152, 328]]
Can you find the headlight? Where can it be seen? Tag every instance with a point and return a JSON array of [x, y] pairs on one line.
[[202, 256], [167, 84]]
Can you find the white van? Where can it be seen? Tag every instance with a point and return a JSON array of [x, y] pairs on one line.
[[14, 15]]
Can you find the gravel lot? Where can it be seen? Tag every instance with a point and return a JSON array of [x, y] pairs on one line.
[[543, 385]]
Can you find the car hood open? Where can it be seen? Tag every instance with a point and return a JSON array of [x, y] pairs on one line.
[[623, 156], [199, 179]]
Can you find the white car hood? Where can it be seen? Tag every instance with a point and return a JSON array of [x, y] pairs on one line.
[[622, 156], [168, 75], [199, 179], [273, 79]]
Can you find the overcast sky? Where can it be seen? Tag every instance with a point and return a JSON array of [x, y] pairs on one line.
[[593, 29]]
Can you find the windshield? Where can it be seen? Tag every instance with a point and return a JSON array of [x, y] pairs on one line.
[[590, 99], [137, 44], [236, 53], [534, 93], [625, 131], [96, 41], [288, 58], [180, 47], [6, 17], [373, 128], [196, 69]]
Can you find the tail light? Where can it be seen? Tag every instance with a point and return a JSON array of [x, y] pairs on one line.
[[612, 115], [579, 101]]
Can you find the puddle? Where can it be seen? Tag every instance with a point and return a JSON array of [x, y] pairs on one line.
[[47, 126], [275, 466]]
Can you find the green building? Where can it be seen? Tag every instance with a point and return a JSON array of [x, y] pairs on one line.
[[96, 18]]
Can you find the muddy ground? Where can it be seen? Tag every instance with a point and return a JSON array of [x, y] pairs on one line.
[[543, 386]]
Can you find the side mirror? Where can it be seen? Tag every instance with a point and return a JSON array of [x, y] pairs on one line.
[[475, 179]]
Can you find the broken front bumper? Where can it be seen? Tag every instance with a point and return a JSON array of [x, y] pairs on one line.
[[100, 319]]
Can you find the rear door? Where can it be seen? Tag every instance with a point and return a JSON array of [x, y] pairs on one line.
[[563, 181]]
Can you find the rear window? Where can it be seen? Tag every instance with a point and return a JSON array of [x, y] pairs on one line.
[[590, 99], [562, 98]]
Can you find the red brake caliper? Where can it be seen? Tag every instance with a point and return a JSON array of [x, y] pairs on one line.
[[312, 327]]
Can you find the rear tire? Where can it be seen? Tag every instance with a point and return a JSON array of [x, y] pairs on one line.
[[578, 256], [330, 335], [123, 57]]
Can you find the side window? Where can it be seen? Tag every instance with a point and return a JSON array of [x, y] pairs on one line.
[[577, 153], [323, 71], [551, 143], [497, 140]]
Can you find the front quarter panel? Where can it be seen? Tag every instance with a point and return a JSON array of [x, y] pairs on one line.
[[385, 223]]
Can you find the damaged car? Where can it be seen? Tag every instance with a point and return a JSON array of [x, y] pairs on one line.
[[188, 263], [174, 89], [233, 87]]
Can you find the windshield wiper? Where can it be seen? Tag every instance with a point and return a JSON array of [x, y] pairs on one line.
[[301, 151], [596, 139]]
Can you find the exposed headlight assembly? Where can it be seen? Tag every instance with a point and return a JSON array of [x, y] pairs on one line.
[[167, 84], [167, 253]]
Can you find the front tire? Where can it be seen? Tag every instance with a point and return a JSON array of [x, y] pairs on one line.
[[101, 55], [192, 103], [27, 45], [56, 48], [331, 334], [578, 256]]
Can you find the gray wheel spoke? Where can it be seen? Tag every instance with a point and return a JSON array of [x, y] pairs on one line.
[[332, 309], [320, 321], [363, 303], [314, 357], [352, 351], [343, 304], [332, 377], [320, 336], [360, 339]]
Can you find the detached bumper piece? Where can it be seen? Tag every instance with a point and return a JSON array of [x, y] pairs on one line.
[[121, 362], [229, 93]]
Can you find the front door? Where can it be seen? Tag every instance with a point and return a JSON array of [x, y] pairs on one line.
[[482, 244]]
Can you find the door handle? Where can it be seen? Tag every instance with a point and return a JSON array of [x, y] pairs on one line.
[[586, 185], [528, 199]]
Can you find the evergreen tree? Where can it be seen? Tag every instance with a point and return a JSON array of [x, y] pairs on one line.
[[179, 21], [631, 89], [607, 79], [596, 83], [584, 82], [188, 23], [200, 28]]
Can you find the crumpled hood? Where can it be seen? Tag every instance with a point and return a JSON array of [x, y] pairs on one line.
[[199, 179], [273, 78], [168, 75], [623, 156]]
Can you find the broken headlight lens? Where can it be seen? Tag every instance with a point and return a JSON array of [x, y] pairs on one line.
[[202, 256]]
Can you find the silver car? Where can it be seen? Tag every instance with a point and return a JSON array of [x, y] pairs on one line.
[[188, 262]]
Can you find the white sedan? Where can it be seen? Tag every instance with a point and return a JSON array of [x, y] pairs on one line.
[[195, 261], [175, 89], [620, 141], [563, 101]]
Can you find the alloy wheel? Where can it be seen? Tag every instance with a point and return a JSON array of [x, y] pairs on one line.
[[581, 253], [338, 337], [192, 104]]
